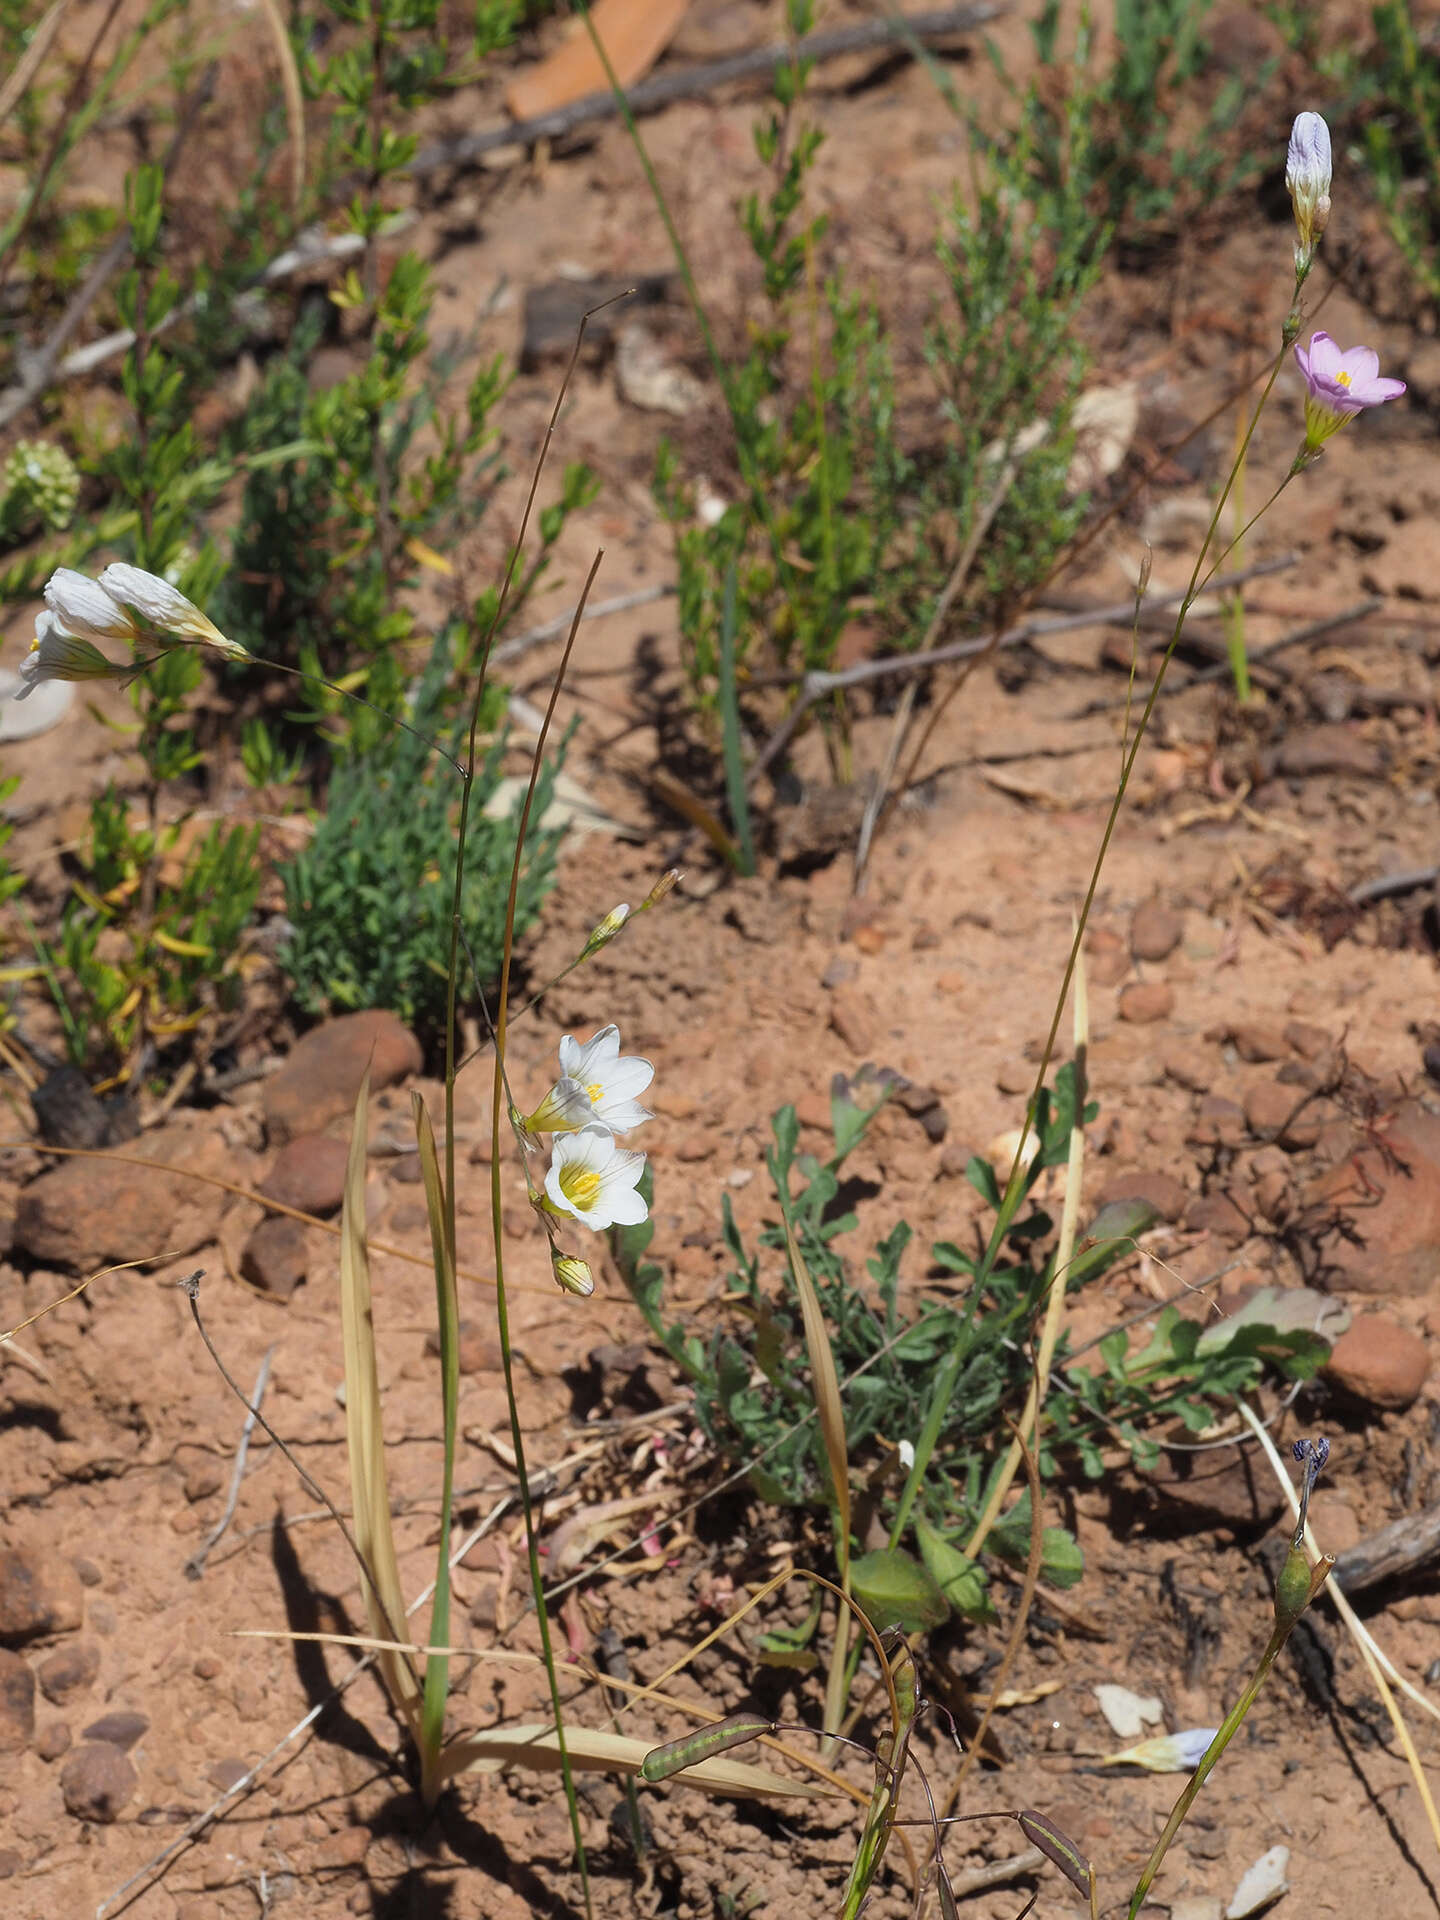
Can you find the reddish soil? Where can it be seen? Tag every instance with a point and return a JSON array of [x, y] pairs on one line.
[[117, 1442]]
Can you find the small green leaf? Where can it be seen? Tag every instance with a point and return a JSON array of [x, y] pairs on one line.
[[958, 1578], [896, 1591]]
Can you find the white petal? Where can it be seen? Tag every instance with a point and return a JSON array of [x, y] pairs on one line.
[[623, 1170], [627, 1209], [570, 1056], [628, 1077], [82, 607], [621, 1115]]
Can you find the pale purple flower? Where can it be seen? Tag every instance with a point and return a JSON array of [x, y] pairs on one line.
[[1339, 384], [1307, 178]]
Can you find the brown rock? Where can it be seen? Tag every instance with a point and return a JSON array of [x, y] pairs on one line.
[[1162, 1190], [870, 938], [1221, 1214], [10, 1863], [309, 1174], [853, 1018], [1309, 1042], [479, 1353], [1383, 1231], [1218, 1123], [813, 1110], [226, 1774], [1145, 1001], [1187, 1066], [1259, 1043], [1107, 958], [1272, 1195], [276, 1256], [320, 1079], [39, 1593], [1329, 749], [1155, 931], [120, 1729], [17, 1702], [88, 1212], [1379, 1361], [1275, 1112], [97, 1782], [70, 1670], [53, 1740]]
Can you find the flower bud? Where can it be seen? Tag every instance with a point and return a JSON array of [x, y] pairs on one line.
[[572, 1275], [602, 935], [667, 883], [165, 609], [1307, 178]]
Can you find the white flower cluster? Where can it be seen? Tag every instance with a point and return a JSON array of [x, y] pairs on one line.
[[591, 1178], [125, 603]]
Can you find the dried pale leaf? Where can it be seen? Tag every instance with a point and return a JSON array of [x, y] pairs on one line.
[[597, 1750], [1261, 1884], [1104, 421], [365, 1440], [571, 807], [571, 1543], [1129, 1713]]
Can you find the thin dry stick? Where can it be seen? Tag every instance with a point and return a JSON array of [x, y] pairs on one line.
[[815, 686], [40, 368], [195, 1565], [552, 629], [689, 82], [30, 60]]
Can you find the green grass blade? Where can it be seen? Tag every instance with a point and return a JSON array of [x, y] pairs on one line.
[[735, 792], [437, 1666]]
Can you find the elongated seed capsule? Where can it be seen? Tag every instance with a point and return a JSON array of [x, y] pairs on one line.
[[1044, 1834], [675, 1755]]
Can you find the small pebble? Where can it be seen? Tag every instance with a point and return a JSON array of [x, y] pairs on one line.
[[1146, 1001], [97, 1782]]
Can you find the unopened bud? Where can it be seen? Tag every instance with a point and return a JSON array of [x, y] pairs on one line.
[[572, 1275], [1307, 178], [602, 935], [667, 883]]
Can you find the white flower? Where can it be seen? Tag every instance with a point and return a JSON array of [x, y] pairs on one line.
[[165, 609], [594, 1181], [1307, 177], [83, 608], [565, 1108], [57, 655], [610, 1079]]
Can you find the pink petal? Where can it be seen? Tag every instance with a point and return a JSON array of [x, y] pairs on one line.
[[1362, 364], [1326, 359]]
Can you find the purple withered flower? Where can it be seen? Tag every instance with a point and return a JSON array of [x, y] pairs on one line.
[[1339, 383], [1312, 1456]]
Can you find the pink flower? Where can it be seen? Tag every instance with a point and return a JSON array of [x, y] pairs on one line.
[[1339, 385]]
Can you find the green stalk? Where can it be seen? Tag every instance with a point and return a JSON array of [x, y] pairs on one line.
[[949, 1374]]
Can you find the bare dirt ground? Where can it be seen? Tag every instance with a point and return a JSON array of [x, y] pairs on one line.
[[1251, 830]]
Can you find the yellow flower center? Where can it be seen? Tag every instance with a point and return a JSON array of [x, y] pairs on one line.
[[596, 1092], [1342, 379], [580, 1187]]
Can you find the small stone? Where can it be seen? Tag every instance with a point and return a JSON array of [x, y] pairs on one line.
[[97, 1783], [120, 1729], [1187, 1066], [1014, 1077], [226, 1774], [206, 1666], [950, 983], [1272, 1196], [10, 1863], [88, 1212], [53, 1741], [39, 1594], [853, 1019], [1155, 931], [276, 1256], [1271, 1114], [321, 1076], [1379, 1361], [1220, 1214], [1107, 958], [17, 1702], [671, 1104], [1259, 1043], [1162, 1191], [1329, 749], [1309, 1042], [1146, 1001], [813, 1110], [1385, 1206], [870, 939], [840, 973], [1219, 1123], [68, 1671], [309, 1174], [90, 1574], [478, 1352]]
